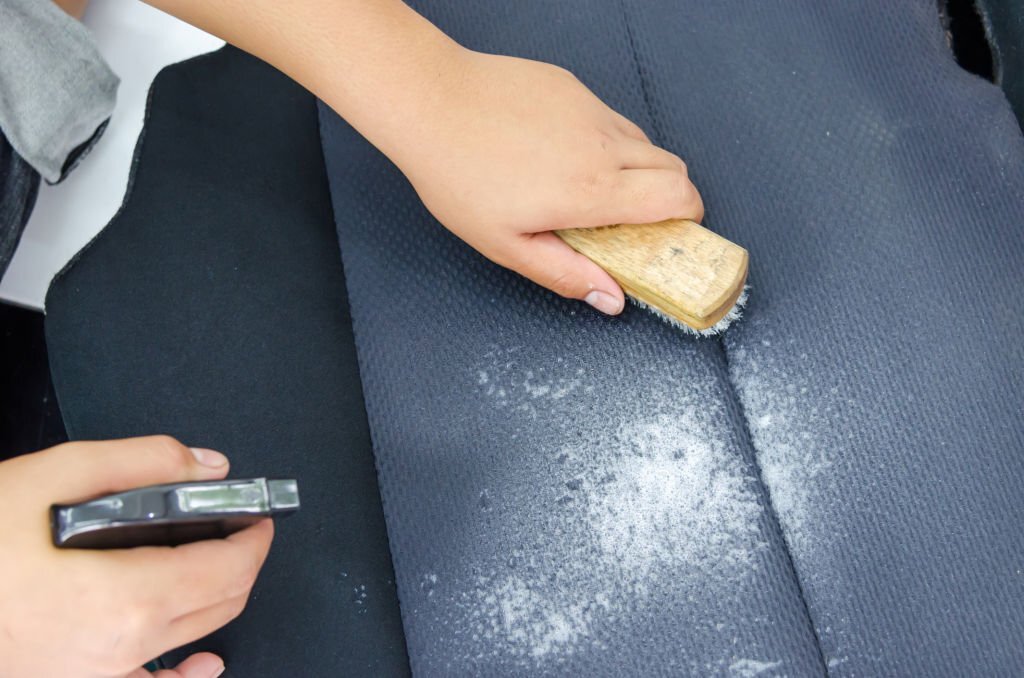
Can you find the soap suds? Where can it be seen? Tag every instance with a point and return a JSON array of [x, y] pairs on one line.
[[749, 668], [782, 418], [669, 495], [506, 383], [836, 662], [519, 619], [646, 503], [787, 405]]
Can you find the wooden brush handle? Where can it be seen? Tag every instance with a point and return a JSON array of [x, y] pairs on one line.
[[677, 266]]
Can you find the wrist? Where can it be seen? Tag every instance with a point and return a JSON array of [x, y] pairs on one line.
[[392, 86], [377, 63]]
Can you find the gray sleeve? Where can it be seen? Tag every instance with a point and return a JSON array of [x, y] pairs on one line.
[[56, 91]]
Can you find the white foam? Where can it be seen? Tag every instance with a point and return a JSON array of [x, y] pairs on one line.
[[643, 503], [517, 617], [670, 495], [749, 668], [783, 419]]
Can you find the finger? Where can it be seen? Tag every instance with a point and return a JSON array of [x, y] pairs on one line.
[[203, 622], [646, 196], [199, 665], [546, 260], [82, 470], [629, 128], [180, 580], [634, 154]]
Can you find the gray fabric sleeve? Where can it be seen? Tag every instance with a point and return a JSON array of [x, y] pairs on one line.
[[56, 91]]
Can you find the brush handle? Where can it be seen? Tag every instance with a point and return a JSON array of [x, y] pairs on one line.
[[677, 266]]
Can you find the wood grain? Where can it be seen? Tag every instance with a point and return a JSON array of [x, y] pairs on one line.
[[677, 266]]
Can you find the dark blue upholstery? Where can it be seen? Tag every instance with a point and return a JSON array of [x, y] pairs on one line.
[[570, 493]]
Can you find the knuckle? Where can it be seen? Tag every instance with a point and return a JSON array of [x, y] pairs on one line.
[[242, 582], [135, 618], [693, 205], [641, 194], [123, 652], [635, 130], [169, 450], [503, 255], [251, 570], [236, 606], [592, 184], [564, 284]]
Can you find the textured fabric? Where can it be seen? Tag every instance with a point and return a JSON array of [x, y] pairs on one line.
[[213, 308], [539, 464], [880, 190], [564, 493], [19, 185], [56, 91], [531, 455], [567, 493]]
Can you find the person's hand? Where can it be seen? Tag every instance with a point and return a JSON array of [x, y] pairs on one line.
[[516, 148], [92, 613], [501, 150]]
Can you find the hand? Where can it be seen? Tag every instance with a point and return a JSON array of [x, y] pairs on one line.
[[501, 150], [71, 612], [520, 148]]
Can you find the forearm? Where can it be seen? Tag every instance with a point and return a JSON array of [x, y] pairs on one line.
[[378, 63], [500, 150]]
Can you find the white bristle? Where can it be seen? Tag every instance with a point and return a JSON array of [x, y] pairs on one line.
[[728, 319]]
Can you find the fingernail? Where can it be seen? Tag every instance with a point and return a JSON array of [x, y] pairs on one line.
[[210, 458], [218, 671], [603, 302]]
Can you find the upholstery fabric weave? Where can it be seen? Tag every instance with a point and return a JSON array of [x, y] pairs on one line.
[[870, 403]]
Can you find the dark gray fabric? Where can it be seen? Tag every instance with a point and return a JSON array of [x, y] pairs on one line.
[[530, 456], [213, 308], [879, 189]]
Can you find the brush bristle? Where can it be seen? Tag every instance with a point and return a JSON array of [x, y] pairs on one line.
[[721, 326]]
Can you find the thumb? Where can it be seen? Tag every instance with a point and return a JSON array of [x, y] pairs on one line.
[[546, 260], [82, 470]]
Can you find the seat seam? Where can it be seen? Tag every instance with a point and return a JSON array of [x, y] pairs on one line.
[[658, 137], [773, 514]]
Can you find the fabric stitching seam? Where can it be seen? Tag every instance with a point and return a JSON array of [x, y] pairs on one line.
[[658, 138]]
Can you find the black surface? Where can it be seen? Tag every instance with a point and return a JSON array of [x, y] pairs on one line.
[[1004, 28], [879, 369], [968, 38], [213, 308], [30, 419]]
